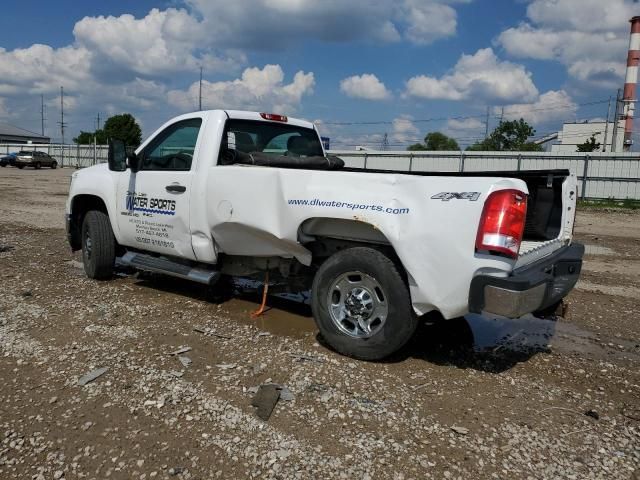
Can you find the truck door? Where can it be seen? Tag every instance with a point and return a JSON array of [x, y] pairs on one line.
[[153, 203]]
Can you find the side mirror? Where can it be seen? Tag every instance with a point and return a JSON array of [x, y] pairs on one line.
[[117, 158]]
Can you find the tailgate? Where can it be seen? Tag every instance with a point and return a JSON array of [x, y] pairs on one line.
[[551, 211]]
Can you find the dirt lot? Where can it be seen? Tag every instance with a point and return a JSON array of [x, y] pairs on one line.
[[474, 398]]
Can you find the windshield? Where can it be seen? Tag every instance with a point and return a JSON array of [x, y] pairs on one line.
[[271, 138]]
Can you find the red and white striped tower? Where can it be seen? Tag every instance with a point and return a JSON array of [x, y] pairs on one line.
[[629, 96]]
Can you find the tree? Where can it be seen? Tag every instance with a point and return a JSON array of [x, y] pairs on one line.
[[123, 127], [590, 145], [86, 138], [435, 141], [510, 136]]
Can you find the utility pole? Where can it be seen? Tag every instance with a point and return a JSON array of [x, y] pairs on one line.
[[501, 115], [61, 122], [616, 114], [200, 96], [486, 124], [385, 142], [606, 127], [62, 125], [42, 112], [98, 122]]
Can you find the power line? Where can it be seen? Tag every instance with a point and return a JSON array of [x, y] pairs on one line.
[[558, 106]]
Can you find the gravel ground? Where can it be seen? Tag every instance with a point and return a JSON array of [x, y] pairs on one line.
[[473, 398]]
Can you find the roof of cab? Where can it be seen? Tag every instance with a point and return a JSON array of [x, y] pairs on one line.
[[245, 115]]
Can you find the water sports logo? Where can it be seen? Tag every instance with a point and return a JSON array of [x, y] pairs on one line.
[[139, 202]]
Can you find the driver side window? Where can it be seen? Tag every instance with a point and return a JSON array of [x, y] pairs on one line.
[[173, 149]]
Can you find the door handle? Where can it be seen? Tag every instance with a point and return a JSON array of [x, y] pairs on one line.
[[175, 188]]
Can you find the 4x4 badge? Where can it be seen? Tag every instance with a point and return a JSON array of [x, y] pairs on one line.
[[446, 196]]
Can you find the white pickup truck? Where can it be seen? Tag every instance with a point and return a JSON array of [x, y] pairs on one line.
[[255, 195]]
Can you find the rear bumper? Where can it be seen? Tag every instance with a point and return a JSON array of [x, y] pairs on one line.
[[529, 288]]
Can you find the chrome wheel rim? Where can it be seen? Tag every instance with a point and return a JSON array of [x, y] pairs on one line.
[[357, 304]]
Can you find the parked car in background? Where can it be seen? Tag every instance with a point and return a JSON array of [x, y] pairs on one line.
[[8, 159], [35, 159]]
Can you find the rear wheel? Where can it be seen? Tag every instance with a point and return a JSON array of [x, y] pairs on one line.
[[361, 304], [54, 164], [98, 245]]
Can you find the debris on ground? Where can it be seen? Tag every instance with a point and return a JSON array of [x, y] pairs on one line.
[[460, 430], [92, 375], [593, 414], [305, 358], [211, 333], [184, 360], [180, 351], [265, 400]]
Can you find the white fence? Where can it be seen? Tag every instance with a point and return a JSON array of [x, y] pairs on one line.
[[600, 175], [67, 155]]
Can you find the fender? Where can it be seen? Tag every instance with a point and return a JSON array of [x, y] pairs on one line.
[[94, 182]]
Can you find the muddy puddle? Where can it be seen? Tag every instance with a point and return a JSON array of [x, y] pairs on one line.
[[290, 315]]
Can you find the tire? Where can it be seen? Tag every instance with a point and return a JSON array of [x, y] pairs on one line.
[[98, 245], [54, 165], [38, 166], [20, 166], [3, 165], [371, 287]]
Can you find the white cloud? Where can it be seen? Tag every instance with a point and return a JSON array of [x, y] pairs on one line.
[[42, 69], [481, 76], [160, 43], [256, 89], [553, 105], [404, 130], [589, 37], [365, 86], [282, 22]]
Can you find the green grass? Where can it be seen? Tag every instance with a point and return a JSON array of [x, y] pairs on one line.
[[627, 204]]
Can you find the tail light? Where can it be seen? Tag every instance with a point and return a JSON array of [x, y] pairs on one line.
[[502, 223], [273, 117]]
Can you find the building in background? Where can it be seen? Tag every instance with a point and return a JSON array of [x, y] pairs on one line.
[[13, 134], [574, 134]]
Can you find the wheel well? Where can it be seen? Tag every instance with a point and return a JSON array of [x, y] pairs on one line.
[[80, 205], [326, 236]]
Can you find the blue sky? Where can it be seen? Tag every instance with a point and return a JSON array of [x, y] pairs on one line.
[[395, 62]]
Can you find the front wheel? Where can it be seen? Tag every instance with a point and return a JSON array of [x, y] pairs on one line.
[[54, 165], [98, 245], [361, 304]]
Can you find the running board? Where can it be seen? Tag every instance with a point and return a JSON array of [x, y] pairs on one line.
[[149, 263]]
